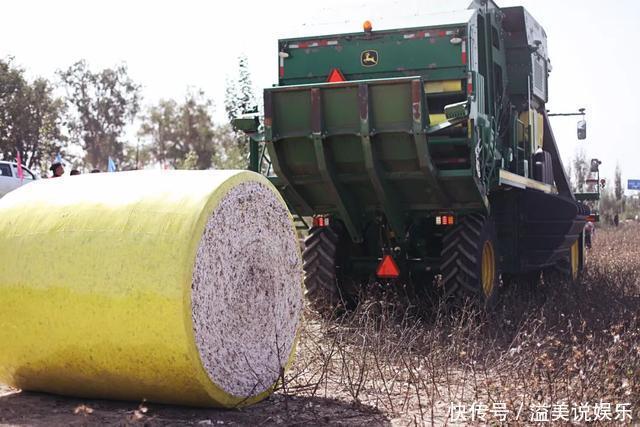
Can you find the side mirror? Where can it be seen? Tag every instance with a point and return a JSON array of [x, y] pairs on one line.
[[582, 129]]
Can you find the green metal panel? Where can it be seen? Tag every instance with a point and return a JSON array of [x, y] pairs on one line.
[[342, 199], [429, 53], [338, 117], [385, 193], [296, 121], [377, 159]]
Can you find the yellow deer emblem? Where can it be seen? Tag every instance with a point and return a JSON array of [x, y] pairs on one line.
[[369, 58]]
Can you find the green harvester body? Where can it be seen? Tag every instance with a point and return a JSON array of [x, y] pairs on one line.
[[387, 131]]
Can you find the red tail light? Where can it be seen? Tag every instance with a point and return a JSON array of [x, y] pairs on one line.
[[387, 269], [445, 220], [320, 221], [593, 218]]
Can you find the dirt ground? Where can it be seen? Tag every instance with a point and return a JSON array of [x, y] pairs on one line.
[[390, 364], [39, 409]]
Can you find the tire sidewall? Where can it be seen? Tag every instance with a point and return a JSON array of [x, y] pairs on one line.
[[488, 234]]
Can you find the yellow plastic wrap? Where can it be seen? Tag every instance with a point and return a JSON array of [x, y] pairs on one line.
[[95, 282]]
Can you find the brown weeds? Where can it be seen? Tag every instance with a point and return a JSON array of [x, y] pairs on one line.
[[563, 346]]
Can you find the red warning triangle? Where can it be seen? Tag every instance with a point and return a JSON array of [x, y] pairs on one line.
[[387, 269], [335, 76]]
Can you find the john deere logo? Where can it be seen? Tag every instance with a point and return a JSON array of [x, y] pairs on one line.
[[369, 58]]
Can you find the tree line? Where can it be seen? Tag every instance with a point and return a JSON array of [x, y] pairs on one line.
[[87, 115]]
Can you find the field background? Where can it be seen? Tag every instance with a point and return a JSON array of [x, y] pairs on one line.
[[390, 363]]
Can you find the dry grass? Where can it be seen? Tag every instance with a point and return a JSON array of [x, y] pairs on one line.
[[567, 343]]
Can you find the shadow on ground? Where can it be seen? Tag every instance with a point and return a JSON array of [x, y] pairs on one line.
[[40, 409]]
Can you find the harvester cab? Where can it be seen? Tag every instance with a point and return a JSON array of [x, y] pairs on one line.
[[428, 144]]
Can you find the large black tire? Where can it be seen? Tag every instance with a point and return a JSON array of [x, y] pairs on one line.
[[327, 288], [571, 265], [464, 248]]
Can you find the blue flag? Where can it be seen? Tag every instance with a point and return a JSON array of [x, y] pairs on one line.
[[111, 167]]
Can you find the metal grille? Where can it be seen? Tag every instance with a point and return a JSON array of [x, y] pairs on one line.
[[539, 81]]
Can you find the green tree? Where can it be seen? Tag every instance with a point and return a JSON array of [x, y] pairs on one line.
[[230, 152], [619, 192], [190, 161], [160, 125], [181, 135], [239, 99], [30, 118], [196, 126], [580, 171], [632, 207], [239, 94], [101, 105], [185, 136]]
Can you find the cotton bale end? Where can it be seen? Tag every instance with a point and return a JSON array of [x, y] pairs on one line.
[[179, 287]]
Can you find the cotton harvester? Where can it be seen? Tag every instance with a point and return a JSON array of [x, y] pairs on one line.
[[420, 151]]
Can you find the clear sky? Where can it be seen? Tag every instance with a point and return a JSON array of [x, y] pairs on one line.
[[172, 45]]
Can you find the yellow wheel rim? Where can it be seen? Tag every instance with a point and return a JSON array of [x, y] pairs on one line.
[[488, 268], [575, 260]]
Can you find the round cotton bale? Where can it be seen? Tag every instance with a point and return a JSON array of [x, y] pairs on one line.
[[177, 287]]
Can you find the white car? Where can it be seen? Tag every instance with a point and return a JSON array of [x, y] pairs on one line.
[[9, 180]]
